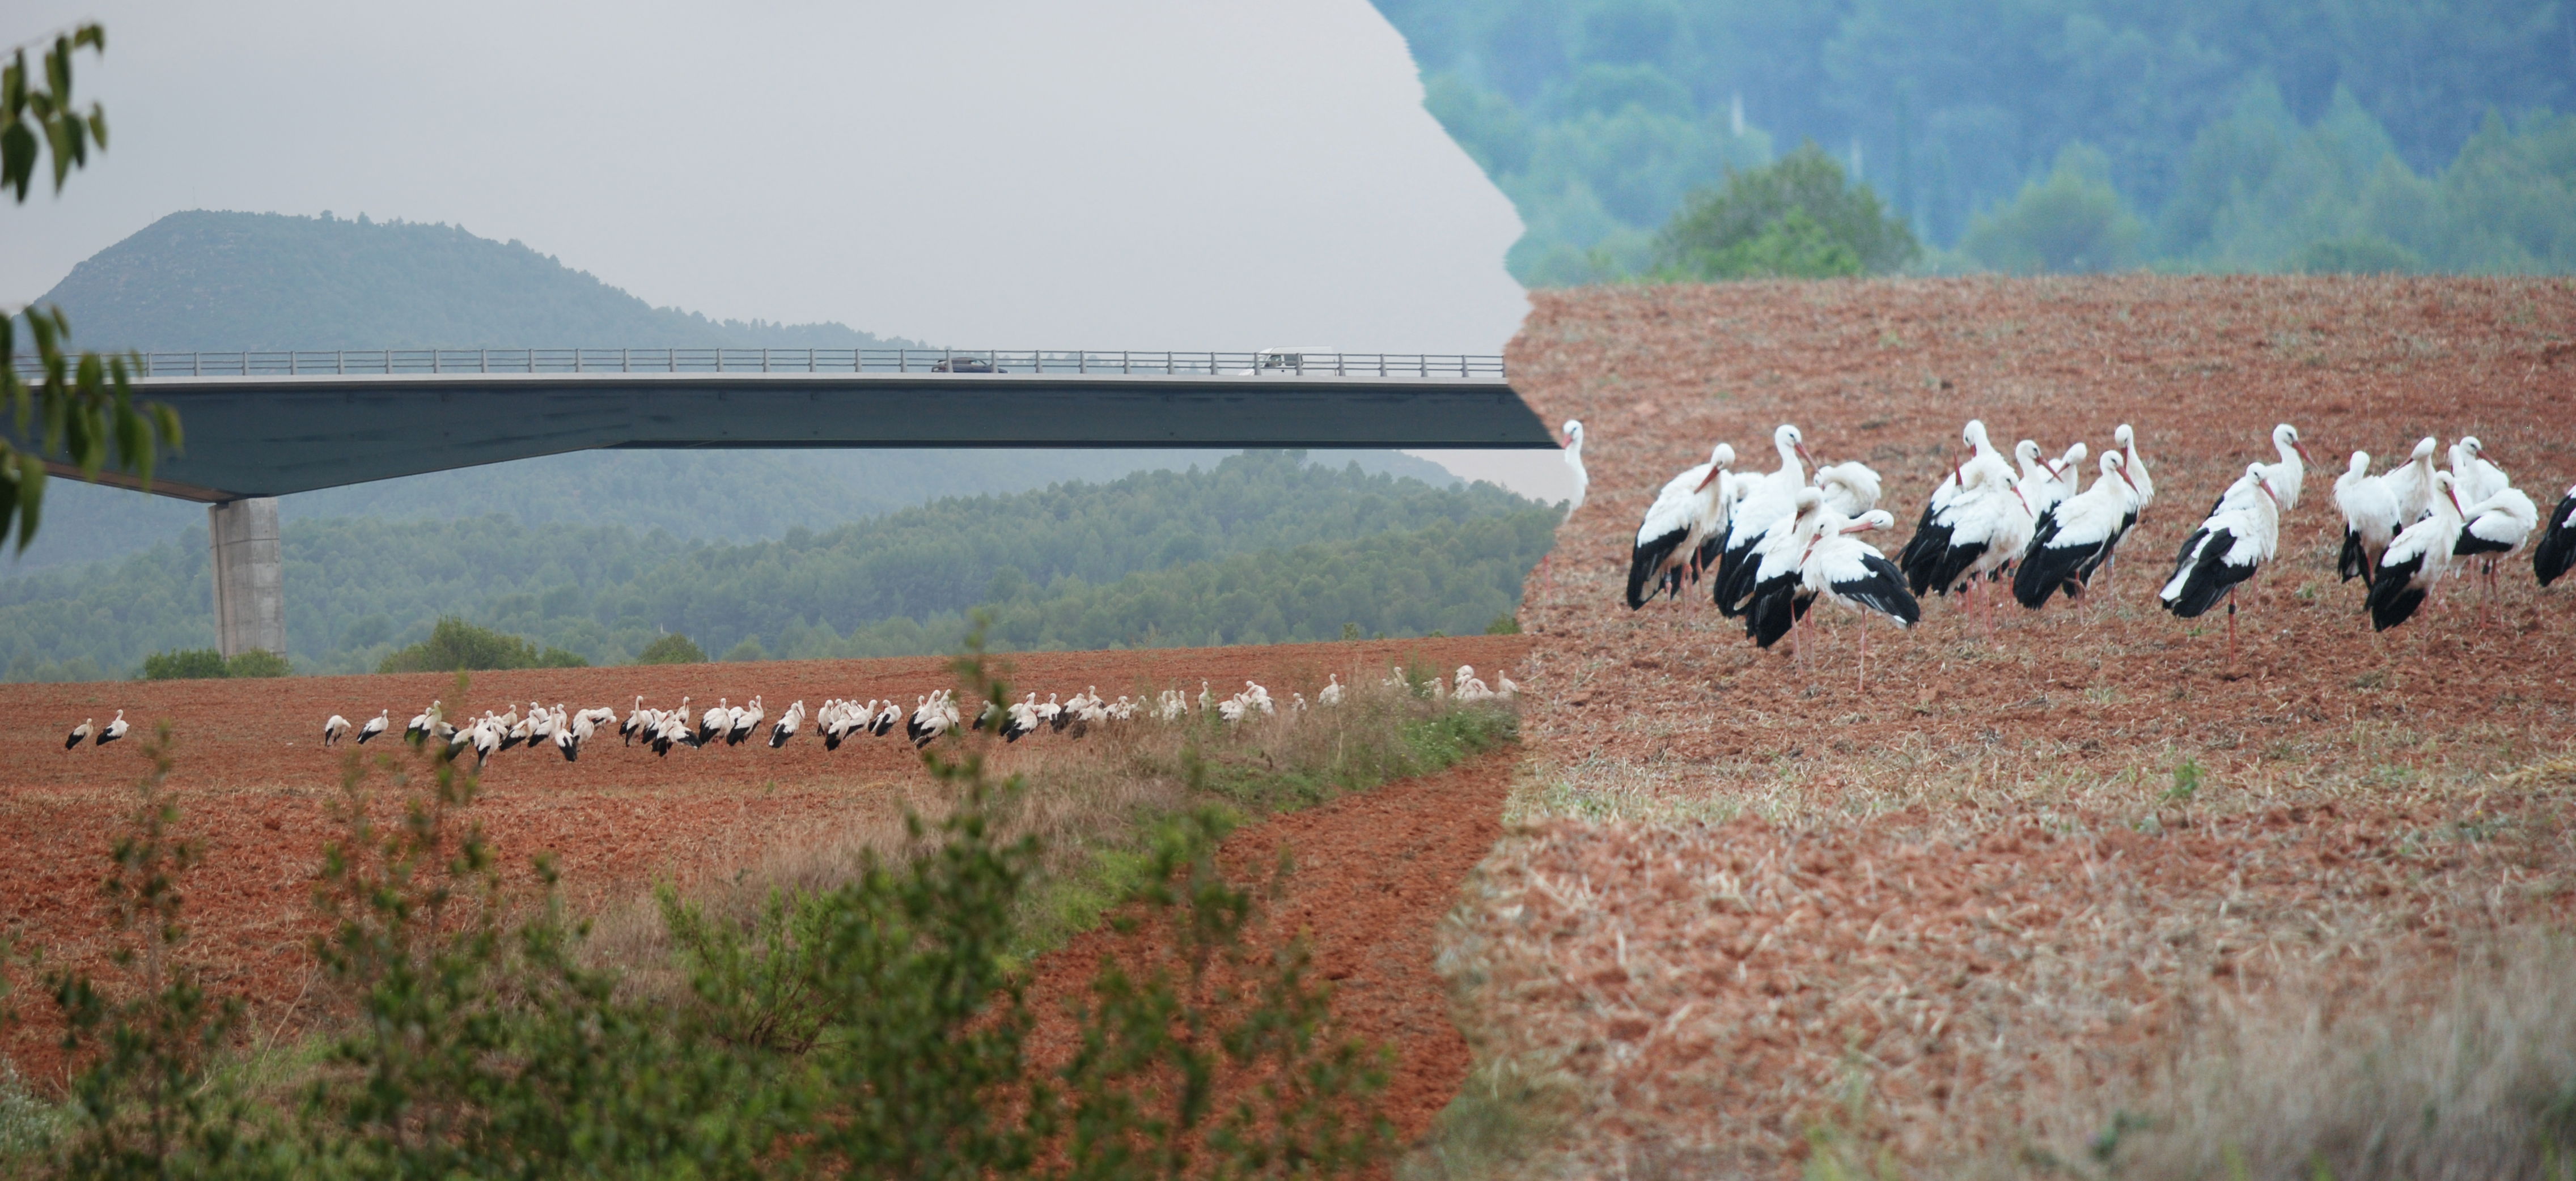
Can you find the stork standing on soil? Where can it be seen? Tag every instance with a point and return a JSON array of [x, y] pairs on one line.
[[2493, 528], [1773, 606], [2411, 483], [1984, 525], [115, 730], [2557, 549], [1691, 506], [1932, 531], [2242, 532], [1769, 500], [1841, 568], [2417, 559], [332, 728], [2370, 519], [2076, 537], [375, 725]]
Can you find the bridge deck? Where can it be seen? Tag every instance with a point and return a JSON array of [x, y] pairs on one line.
[[272, 429]]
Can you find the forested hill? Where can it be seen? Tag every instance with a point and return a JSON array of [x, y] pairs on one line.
[[2231, 135], [218, 280], [1266, 547]]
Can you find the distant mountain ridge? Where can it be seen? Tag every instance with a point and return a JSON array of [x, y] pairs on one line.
[[216, 280]]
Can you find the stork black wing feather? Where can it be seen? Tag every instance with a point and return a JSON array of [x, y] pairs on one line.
[[2393, 595], [1646, 561], [2556, 552], [2354, 562]]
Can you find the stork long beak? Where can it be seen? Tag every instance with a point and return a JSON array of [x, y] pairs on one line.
[[2266, 486], [1711, 478], [1857, 527], [2124, 478], [2302, 449], [1801, 449]]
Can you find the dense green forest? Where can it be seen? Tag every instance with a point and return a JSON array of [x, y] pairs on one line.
[[1264, 547], [2075, 134]]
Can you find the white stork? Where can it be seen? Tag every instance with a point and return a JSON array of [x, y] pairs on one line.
[[1850, 488], [2134, 467], [2411, 483], [1690, 507], [375, 725], [2285, 477], [633, 726], [1331, 693], [2073, 539], [717, 720], [2494, 528], [2370, 519], [1574, 463], [746, 718], [1932, 530], [332, 728], [1773, 607], [2557, 549], [1985, 525], [1768, 500], [2417, 559], [79, 734], [1023, 720], [115, 729], [1841, 568], [2473, 478], [2242, 532], [787, 725]]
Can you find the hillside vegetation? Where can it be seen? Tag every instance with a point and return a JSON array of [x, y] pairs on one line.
[[1263, 548], [207, 279], [2088, 135]]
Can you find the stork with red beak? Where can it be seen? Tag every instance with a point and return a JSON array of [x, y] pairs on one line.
[[2417, 559], [2284, 478], [2242, 532], [1770, 501], [1692, 507], [2073, 539]]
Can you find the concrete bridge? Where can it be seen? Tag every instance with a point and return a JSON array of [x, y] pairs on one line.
[[261, 425]]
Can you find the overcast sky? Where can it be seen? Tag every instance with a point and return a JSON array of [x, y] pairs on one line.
[[1111, 174]]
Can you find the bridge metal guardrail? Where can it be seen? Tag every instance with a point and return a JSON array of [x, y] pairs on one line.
[[362, 362]]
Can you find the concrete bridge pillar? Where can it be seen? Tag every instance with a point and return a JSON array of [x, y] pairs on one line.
[[250, 576]]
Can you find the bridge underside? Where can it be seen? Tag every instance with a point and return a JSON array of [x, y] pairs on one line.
[[270, 436], [253, 438]]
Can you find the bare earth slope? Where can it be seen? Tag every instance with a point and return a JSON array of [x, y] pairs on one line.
[[2011, 863]]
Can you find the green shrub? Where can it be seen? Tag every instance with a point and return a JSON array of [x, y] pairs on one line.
[[455, 646], [2363, 254], [204, 664], [258, 662], [1794, 218], [2072, 221], [673, 648], [1505, 624], [748, 649], [187, 664]]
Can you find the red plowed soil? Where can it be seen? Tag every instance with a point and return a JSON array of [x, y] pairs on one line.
[[1375, 874], [255, 784], [1982, 878]]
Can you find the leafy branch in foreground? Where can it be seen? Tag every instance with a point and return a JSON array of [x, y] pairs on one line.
[[880, 1028], [77, 407], [144, 1104]]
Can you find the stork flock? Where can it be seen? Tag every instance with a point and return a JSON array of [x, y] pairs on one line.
[[1776, 542], [838, 720]]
